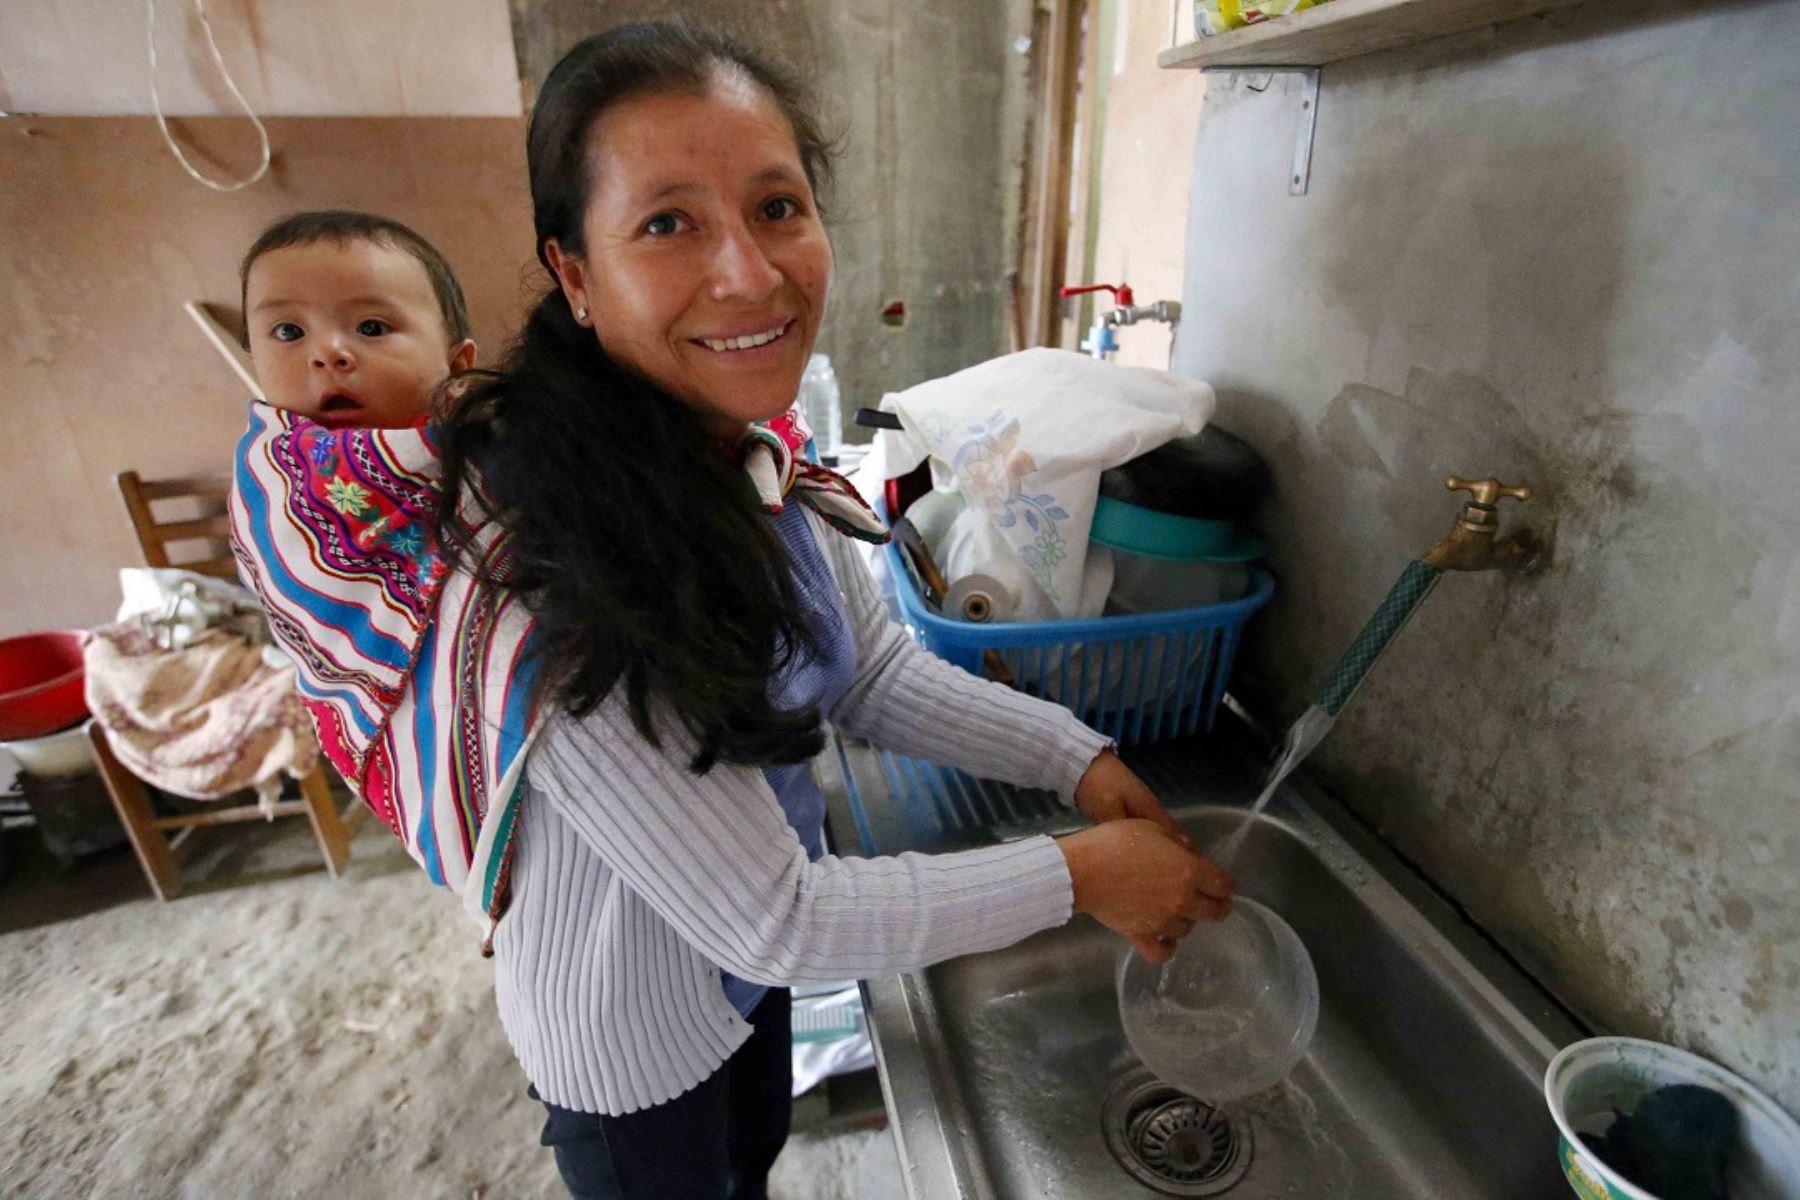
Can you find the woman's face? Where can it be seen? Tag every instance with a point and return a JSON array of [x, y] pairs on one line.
[[706, 264]]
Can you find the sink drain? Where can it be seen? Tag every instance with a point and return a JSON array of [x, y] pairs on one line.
[[1167, 1140]]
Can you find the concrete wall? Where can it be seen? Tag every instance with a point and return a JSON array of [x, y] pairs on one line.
[[928, 99], [102, 238], [1565, 251]]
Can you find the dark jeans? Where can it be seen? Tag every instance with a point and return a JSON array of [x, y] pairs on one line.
[[716, 1141]]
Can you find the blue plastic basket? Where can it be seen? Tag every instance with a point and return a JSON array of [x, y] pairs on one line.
[[1146, 677]]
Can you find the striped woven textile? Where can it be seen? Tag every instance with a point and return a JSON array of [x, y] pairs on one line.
[[420, 680]]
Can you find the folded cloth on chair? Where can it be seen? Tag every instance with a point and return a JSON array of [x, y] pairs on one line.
[[419, 678], [202, 720]]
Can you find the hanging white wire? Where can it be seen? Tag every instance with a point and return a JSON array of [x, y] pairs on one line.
[[262, 134]]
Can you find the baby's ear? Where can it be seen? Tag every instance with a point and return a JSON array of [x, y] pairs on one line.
[[463, 357]]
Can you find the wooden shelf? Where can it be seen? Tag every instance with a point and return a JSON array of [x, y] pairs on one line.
[[1344, 29]]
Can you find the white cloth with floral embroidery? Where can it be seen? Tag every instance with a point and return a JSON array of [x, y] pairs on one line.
[[1024, 439]]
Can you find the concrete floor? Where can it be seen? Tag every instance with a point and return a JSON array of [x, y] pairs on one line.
[[273, 1033]]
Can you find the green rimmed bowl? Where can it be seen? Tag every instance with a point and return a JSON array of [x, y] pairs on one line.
[[1591, 1080]]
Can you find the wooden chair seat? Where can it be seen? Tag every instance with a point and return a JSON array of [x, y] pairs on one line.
[[196, 524]]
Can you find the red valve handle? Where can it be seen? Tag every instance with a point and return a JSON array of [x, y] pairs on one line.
[[1121, 291]]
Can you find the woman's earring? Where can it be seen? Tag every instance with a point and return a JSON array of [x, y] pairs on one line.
[[581, 315]]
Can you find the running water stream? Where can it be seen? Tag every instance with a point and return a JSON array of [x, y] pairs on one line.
[[1305, 733]]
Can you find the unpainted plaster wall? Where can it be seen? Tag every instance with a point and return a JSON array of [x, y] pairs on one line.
[[1566, 251], [323, 58]]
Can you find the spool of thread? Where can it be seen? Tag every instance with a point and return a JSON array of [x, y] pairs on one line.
[[979, 598]]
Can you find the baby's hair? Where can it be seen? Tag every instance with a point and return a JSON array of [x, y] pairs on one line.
[[343, 226]]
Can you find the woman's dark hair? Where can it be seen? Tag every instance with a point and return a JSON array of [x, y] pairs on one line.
[[635, 538]]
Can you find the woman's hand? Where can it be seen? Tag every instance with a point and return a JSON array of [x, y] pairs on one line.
[[1134, 878], [1111, 791]]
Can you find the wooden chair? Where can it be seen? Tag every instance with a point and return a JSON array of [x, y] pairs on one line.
[[202, 527]]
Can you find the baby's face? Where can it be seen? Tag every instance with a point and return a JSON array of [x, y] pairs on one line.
[[348, 333]]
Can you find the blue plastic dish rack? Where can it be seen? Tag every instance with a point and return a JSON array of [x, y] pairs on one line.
[[1141, 678]]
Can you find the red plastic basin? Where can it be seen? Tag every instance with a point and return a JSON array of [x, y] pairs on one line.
[[40, 684]]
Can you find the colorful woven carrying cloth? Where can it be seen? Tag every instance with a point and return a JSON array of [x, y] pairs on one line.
[[418, 678]]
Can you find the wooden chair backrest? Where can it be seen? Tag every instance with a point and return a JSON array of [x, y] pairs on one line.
[[196, 521]]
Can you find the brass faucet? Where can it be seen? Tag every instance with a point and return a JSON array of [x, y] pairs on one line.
[[1470, 545]]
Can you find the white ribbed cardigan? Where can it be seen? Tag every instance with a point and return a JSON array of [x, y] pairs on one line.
[[635, 881]]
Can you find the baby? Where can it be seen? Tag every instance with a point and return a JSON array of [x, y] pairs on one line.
[[352, 319], [354, 323]]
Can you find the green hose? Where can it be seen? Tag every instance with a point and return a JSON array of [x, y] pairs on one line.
[[1415, 583]]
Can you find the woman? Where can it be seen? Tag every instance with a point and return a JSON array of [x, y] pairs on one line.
[[668, 876]]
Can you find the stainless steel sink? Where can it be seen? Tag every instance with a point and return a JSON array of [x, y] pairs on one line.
[[1422, 1080]]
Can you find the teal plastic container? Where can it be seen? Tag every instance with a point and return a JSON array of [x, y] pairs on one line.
[[1139, 530]]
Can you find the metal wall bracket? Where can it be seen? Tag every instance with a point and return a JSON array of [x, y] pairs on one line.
[[1301, 173]]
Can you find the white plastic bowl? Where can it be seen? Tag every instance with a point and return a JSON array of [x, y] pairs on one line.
[[55, 755], [1591, 1079]]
